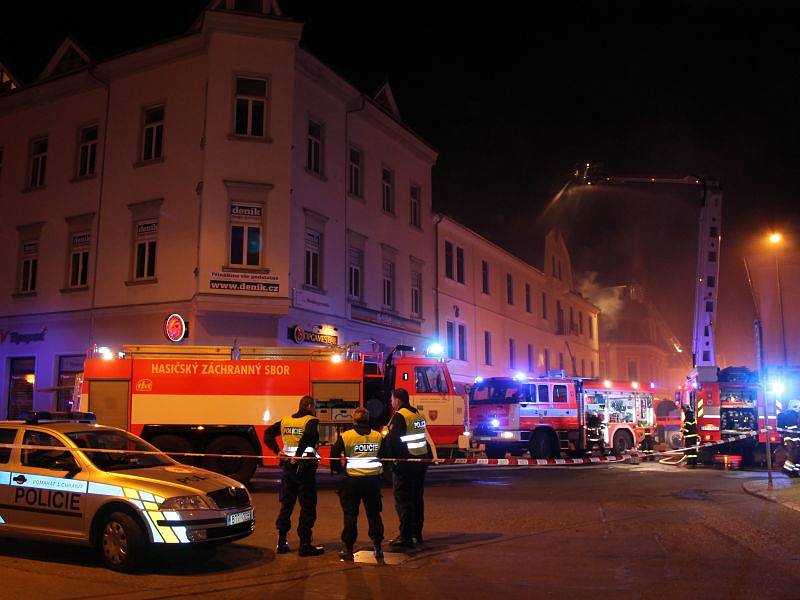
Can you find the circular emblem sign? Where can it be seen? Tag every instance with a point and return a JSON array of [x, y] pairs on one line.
[[175, 328], [299, 335]]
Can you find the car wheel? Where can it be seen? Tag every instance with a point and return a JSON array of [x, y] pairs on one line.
[[174, 443], [240, 469], [121, 542]]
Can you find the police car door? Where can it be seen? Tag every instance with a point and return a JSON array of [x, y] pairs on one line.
[[48, 492], [7, 436]]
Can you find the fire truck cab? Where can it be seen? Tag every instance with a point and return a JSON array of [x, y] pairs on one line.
[[219, 400]]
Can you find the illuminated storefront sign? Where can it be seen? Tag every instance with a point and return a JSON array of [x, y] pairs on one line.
[[175, 328], [299, 335]]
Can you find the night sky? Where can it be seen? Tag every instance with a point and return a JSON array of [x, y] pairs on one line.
[[515, 94]]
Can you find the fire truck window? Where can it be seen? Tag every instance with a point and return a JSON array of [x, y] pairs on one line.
[[544, 394], [6, 437], [108, 400], [58, 459], [430, 380], [559, 393]]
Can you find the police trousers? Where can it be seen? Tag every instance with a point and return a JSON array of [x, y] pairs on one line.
[[298, 482], [352, 492], [409, 490]]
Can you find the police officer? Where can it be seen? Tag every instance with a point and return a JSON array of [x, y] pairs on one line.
[[408, 437], [648, 444], [788, 424], [300, 436], [690, 437], [361, 447]]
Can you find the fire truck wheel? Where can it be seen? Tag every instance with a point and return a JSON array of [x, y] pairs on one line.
[[174, 443], [495, 451], [542, 446], [622, 442], [240, 469]]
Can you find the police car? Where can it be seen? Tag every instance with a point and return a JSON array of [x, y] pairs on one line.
[[63, 478]]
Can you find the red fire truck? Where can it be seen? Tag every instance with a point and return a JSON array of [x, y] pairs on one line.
[[726, 403], [547, 415], [199, 399]]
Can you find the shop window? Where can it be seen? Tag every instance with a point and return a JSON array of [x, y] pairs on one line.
[[22, 377], [70, 369]]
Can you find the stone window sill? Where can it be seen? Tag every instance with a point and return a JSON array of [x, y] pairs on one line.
[[70, 290], [141, 281], [31, 294], [236, 137], [316, 290], [78, 178], [146, 163], [38, 188]]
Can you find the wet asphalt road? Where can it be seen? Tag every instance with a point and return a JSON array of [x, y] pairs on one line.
[[625, 531]]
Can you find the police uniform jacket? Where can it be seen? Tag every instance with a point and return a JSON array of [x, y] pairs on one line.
[[396, 446], [338, 448], [308, 439]]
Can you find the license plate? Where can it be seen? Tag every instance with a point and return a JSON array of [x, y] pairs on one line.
[[241, 517]]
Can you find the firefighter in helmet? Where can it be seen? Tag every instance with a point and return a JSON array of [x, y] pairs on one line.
[[690, 437], [594, 431], [648, 443], [788, 424]]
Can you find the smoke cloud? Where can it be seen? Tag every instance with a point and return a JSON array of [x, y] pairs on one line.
[[607, 299]]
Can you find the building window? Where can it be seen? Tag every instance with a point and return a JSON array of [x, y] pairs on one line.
[[79, 259], [448, 260], [512, 351], [250, 107], [591, 327], [531, 363], [633, 370], [38, 167], [145, 250], [245, 242], [561, 361], [69, 367], [559, 270], [544, 305], [416, 293], [527, 297], [459, 264], [572, 327], [29, 266], [591, 365], [313, 255], [485, 277], [415, 194], [509, 289], [388, 284], [87, 151], [153, 133], [574, 362], [314, 148], [462, 342], [355, 173], [451, 339], [580, 322], [354, 273], [546, 361], [553, 258], [487, 347], [22, 377], [583, 367], [387, 190]]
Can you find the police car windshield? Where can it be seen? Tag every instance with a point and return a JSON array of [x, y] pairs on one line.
[[109, 439]]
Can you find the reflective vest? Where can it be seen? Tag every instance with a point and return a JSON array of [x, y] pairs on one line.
[[361, 452], [292, 429], [414, 438]]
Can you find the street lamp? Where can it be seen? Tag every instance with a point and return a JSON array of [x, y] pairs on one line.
[[775, 239]]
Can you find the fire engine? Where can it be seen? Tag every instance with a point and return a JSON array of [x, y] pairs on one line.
[[713, 394], [220, 399], [547, 415]]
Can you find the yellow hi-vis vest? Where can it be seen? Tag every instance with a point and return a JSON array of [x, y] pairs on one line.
[[292, 429], [361, 452], [415, 432]]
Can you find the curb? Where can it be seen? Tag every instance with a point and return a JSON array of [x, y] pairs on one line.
[[769, 496]]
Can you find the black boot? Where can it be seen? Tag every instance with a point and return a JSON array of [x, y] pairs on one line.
[[346, 553], [401, 542], [283, 545], [309, 549], [378, 550]]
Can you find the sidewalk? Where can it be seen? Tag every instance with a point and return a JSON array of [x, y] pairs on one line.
[[784, 491]]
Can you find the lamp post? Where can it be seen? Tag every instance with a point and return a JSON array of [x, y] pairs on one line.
[[775, 239]]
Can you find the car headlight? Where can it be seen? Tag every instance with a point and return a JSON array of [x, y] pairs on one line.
[[185, 503]]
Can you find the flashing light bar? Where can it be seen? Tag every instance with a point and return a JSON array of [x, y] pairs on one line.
[[435, 349]]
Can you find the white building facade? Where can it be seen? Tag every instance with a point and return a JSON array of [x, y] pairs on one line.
[[500, 316], [225, 175]]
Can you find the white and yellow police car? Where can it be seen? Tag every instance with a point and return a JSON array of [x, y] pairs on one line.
[[63, 478]]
